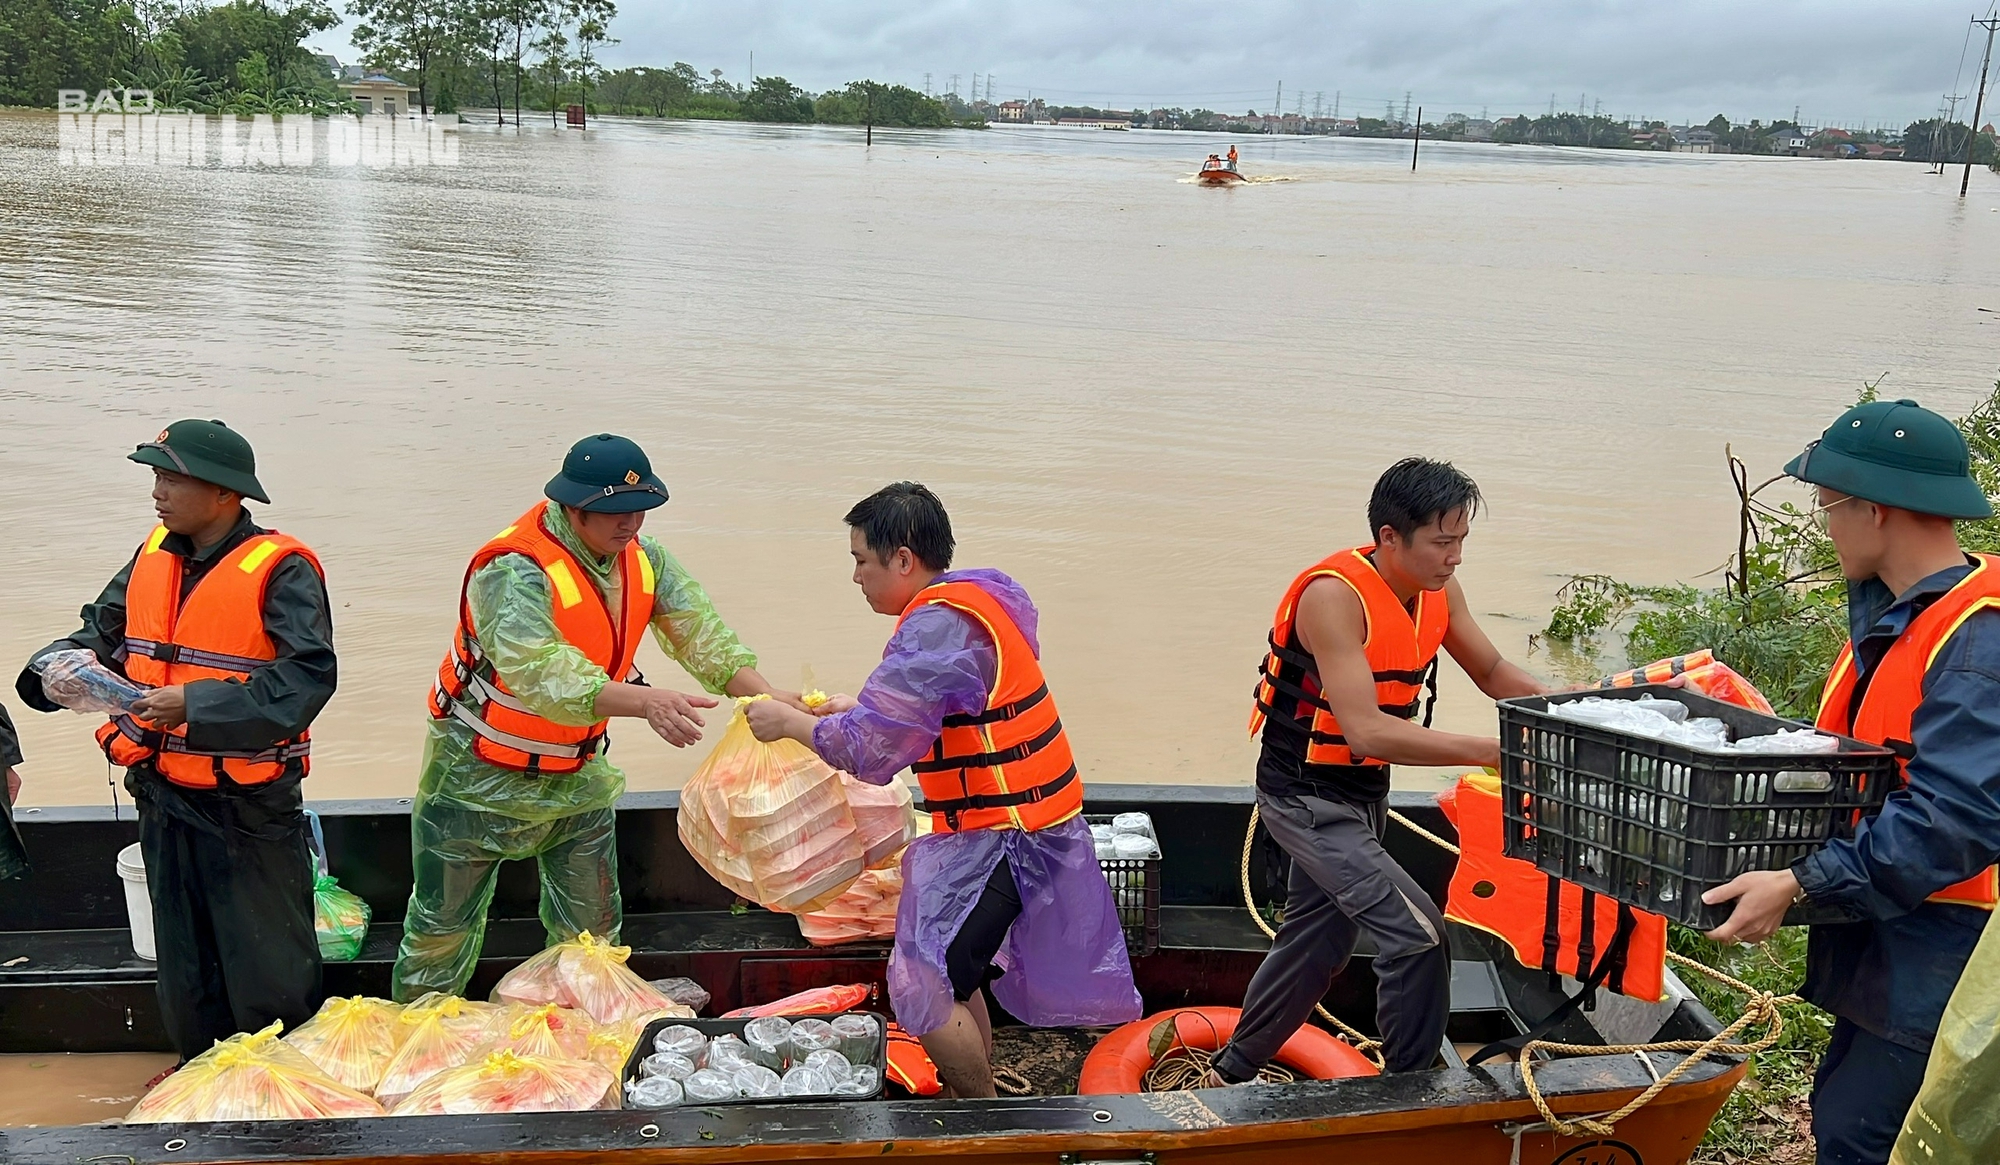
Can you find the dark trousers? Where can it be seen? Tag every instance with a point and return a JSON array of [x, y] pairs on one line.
[[231, 879], [1343, 882], [1862, 1092]]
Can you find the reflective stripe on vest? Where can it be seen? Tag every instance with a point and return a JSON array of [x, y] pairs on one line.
[[1008, 766], [217, 634], [1401, 648], [1554, 925], [1896, 687], [506, 733]]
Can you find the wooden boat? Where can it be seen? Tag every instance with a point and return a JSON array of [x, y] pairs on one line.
[[81, 989], [1217, 174]]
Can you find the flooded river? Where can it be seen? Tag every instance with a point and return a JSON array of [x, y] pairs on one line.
[[1152, 403]]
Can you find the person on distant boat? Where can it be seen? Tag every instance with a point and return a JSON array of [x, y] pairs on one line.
[[1232, 157], [1010, 862], [227, 626], [1353, 646], [1214, 162], [550, 616]]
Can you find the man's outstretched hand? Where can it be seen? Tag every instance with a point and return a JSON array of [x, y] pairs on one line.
[[672, 715]]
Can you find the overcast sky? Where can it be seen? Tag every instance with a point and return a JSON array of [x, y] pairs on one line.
[[1840, 62]]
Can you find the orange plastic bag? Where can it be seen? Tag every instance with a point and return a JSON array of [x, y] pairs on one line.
[[352, 1040], [505, 1082], [550, 1032], [771, 821], [445, 1032], [866, 911], [251, 1077], [588, 974], [817, 1001], [1701, 672]]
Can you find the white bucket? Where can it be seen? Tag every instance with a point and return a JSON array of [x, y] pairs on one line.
[[138, 904]]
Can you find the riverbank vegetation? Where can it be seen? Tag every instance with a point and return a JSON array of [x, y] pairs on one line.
[[1778, 614]]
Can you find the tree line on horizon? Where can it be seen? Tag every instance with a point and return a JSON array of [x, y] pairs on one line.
[[250, 56]]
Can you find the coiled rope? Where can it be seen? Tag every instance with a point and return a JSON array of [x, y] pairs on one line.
[[1760, 1008]]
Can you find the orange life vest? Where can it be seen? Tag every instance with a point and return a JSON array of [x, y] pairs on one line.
[[506, 733], [1896, 687], [217, 634], [909, 1065], [1555, 925], [1009, 766], [1401, 647]]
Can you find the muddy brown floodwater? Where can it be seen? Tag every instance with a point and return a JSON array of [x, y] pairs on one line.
[[1152, 403]]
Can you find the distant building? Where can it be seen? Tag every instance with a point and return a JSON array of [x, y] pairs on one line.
[[1791, 141], [381, 93], [1478, 129], [1096, 122], [1693, 140], [1014, 111], [328, 62]]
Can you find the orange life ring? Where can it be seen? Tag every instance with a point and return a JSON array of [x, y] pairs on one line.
[[1119, 1062]]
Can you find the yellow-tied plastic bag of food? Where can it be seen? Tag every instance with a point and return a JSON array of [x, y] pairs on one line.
[[505, 1082], [1955, 1120], [588, 974], [550, 1031], [352, 1039], [253, 1077], [444, 1032], [771, 821]]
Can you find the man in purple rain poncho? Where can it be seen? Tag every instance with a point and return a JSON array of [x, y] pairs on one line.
[[1008, 890]]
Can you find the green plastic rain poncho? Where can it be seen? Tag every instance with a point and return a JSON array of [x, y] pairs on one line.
[[470, 815], [1955, 1120]]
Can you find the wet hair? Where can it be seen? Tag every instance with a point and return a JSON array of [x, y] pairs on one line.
[[905, 514], [1415, 492]]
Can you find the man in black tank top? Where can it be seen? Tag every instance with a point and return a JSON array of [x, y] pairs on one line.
[[1329, 818]]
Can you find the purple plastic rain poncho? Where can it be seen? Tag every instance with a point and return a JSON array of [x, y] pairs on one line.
[[1065, 955]]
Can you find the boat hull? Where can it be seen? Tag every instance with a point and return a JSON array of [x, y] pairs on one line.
[[1218, 178]]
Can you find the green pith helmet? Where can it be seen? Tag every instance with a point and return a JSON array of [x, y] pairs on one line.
[[1896, 453], [607, 474], [207, 451]]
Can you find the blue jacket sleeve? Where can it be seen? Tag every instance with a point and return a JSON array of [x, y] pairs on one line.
[[1943, 827]]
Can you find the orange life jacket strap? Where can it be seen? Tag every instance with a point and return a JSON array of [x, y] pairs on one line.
[[1586, 994], [989, 760], [470, 717], [952, 808], [158, 741], [190, 656], [1003, 712]]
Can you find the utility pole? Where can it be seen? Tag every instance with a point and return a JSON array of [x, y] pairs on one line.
[[1336, 105], [753, 70], [1416, 138], [1978, 103], [1552, 105], [1946, 115], [1278, 102], [1406, 105], [954, 85], [927, 84], [975, 87]]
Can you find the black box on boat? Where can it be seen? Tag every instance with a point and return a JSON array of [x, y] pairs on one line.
[[1654, 824], [734, 1027], [1135, 887]]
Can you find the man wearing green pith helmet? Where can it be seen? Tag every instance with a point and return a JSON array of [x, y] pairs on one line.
[[1916, 883], [550, 617]]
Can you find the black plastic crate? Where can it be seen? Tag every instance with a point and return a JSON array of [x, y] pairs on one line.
[[1135, 887], [734, 1027], [1654, 824]]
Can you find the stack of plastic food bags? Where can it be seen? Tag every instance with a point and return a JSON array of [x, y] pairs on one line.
[[1128, 836], [771, 822], [549, 1032], [353, 1040], [504, 1082], [1668, 720], [590, 975], [866, 910], [885, 816], [445, 1032], [254, 1076]]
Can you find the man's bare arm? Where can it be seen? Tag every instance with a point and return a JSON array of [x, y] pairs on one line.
[[1331, 625], [1468, 644]]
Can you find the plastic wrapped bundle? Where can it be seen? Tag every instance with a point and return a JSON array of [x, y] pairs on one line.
[[550, 1031], [75, 680], [252, 1077], [804, 1081], [812, 1001], [505, 1082], [867, 910], [709, 1085], [340, 920], [728, 1053], [865, 1080], [757, 1081], [771, 822], [1700, 671], [830, 1064], [884, 815], [352, 1040], [671, 1064], [860, 1037], [590, 975], [812, 1035], [685, 992], [683, 1039], [444, 1032], [653, 1092], [769, 1039]]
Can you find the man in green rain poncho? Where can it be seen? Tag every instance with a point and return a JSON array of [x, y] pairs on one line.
[[551, 614]]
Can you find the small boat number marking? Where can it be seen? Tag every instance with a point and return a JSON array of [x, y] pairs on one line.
[[1601, 1153]]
